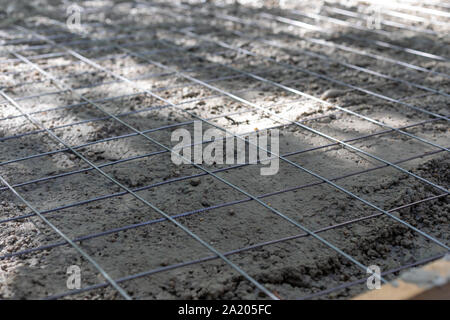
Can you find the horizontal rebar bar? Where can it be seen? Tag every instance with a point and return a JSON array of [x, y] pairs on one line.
[[24, 40], [71, 42], [61, 54]]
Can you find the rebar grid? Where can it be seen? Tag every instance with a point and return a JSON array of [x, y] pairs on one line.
[[236, 73], [282, 158]]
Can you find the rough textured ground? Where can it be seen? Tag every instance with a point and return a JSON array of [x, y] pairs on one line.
[[291, 269]]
